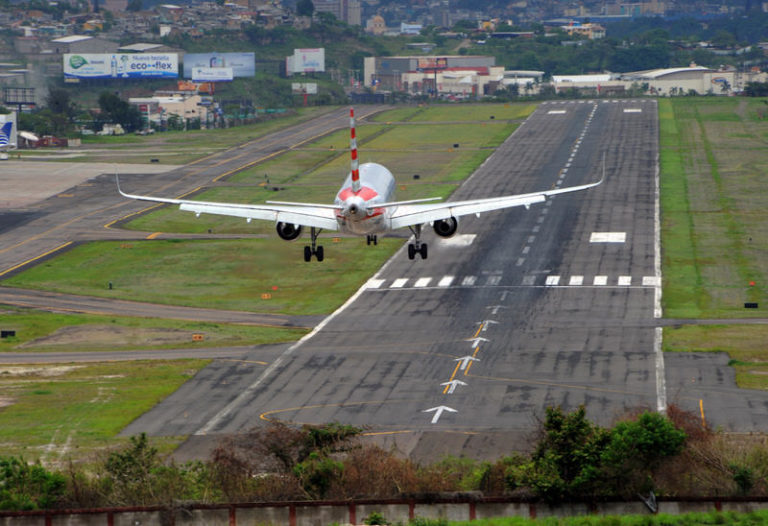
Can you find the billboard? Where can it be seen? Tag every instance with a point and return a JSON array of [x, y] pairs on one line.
[[121, 65], [306, 60], [8, 131], [300, 88], [241, 64], [211, 74]]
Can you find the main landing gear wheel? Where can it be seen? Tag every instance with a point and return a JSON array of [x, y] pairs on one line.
[[417, 246], [413, 250], [314, 250], [372, 238]]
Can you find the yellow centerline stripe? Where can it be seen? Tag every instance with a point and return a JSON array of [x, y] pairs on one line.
[[153, 235], [27, 262], [455, 370]]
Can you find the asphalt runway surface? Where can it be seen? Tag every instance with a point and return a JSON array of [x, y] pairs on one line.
[[460, 353], [523, 309]]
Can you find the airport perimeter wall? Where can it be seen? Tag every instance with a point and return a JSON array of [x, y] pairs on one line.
[[355, 512]]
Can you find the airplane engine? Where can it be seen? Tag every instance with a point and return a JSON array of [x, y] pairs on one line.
[[288, 231], [446, 227]]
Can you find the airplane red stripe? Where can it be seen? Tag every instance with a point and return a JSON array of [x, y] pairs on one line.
[[353, 152]]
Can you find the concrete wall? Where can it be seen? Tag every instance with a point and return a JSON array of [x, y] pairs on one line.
[[324, 513]]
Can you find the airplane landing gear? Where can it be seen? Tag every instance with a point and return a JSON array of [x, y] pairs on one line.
[[417, 247], [314, 250], [372, 238]]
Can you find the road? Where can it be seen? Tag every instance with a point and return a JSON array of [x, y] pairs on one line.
[[461, 353]]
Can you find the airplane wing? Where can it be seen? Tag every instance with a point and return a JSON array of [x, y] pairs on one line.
[[409, 215], [311, 215]]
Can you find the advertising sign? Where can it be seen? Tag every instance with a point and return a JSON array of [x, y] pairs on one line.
[[211, 74], [300, 88], [241, 64], [432, 63], [121, 65], [306, 60]]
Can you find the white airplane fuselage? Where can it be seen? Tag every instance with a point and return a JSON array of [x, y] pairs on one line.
[[358, 212]]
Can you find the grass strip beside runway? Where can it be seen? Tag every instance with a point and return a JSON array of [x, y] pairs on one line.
[[253, 275], [715, 227], [60, 412], [38, 331]]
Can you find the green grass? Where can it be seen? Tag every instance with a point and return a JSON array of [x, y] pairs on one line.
[[714, 207], [55, 413], [458, 113], [715, 227], [38, 331], [223, 274]]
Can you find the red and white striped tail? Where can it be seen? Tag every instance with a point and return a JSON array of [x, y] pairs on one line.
[[353, 152]]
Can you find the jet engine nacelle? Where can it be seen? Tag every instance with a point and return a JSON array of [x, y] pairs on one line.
[[288, 231], [446, 227]]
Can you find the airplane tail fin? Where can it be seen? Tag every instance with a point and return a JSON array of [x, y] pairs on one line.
[[5, 134], [353, 152]]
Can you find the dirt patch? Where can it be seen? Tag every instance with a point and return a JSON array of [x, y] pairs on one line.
[[5, 401], [58, 370], [100, 335]]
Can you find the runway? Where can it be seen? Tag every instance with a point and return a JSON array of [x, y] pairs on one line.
[[461, 353]]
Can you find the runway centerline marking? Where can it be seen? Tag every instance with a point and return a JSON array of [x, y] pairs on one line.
[[608, 237]]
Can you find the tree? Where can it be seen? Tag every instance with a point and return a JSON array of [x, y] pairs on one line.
[[305, 8], [28, 486], [58, 101], [637, 448], [134, 5], [119, 111]]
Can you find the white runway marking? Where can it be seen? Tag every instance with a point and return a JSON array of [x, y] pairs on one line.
[[374, 283], [552, 281], [625, 281], [422, 282], [468, 281], [651, 281], [556, 112], [399, 283], [633, 110], [576, 280], [460, 240], [608, 237], [529, 280], [600, 281], [493, 280], [445, 282]]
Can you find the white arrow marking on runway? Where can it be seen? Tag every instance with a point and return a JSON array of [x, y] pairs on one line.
[[486, 323], [465, 361], [453, 384], [495, 308], [439, 411], [504, 295], [476, 341]]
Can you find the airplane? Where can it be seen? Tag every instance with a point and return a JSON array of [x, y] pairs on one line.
[[365, 205]]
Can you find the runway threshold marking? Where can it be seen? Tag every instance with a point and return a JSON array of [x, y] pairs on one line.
[[27, 262]]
